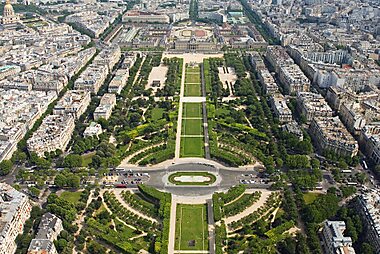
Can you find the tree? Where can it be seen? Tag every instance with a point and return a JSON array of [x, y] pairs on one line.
[[60, 180], [43, 163], [5, 167], [60, 244], [351, 230], [73, 181], [19, 157], [301, 244], [95, 248], [367, 249], [73, 161], [34, 191], [297, 161], [342, 164]]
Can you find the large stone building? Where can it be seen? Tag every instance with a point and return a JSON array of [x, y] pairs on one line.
[[280, 108], [193, 39], [119, 81], [106, 105], [15, 210], [369, 141], [145, 17], [10, 18], [74, 102], [53, 134], [368, 206], [330, 135], [313, 105], [48, 230], [293, 79], [333, 240]]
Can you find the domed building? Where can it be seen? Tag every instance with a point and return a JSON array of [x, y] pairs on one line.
[[9, 16]]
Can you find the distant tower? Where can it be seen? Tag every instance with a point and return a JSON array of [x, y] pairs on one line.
[[9, 16]]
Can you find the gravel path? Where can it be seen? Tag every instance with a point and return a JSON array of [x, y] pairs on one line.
[[180, 112], [125, 162], [118, 196], [264, 196]]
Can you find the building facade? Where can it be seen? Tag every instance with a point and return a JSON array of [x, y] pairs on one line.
[[333, 240], [15, 210], [330, 135]]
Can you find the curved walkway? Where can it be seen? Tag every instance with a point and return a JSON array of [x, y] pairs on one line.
[[264, 196], [119, 198], [129, 157]]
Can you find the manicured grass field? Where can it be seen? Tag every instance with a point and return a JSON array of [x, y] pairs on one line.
[[87, 159], [310, 197], [72, 197], [195, 69], [192, 127], [192, 147], [157, 113], [172, 178], [193, 78], [193, 90], [191, 226], [192, 109]]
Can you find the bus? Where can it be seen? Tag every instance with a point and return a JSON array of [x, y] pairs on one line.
[[365, 165]]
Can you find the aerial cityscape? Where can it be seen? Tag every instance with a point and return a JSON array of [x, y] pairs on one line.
[[190, 127]]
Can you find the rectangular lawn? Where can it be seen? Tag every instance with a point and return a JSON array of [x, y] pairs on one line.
[[192, 147], [192, 127], [191, 227], [193, 78], [193, 90], [192, 110], [195, 69]]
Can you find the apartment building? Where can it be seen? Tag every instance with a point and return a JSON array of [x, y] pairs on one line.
[[9, 70], [19, 110], [92, 78], [277, 57], [74, 102], [280, 108], [313, 105], [330, 134], [94, 129], [15, 210], [44, 80], [369, 141], [292, 127], [293, 79], [48, 230], [267, 81], [352, 115], [256, 61], [368, 206], [145, 17], [106, 105], [108, 56], [53, 134], [119, 81], [333, 240]]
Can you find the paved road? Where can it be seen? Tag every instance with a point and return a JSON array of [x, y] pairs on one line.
[[227, 177], [204, 109], [211, 226], [180, 112]]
